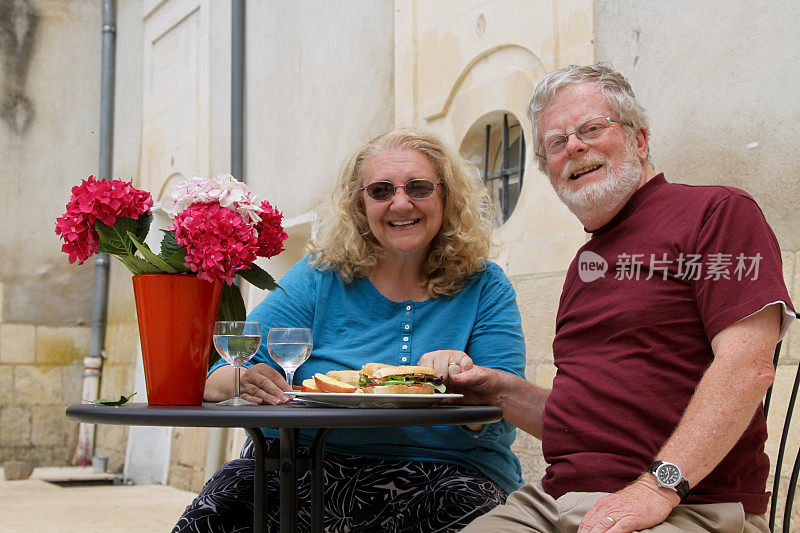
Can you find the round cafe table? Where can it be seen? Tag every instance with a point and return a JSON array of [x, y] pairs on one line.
[[288, 419]]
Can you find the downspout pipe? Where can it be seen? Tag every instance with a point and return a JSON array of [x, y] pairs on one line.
[[237, 88], [93, 362], [215, 453]]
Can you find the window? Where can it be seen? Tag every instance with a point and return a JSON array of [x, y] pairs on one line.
[[496, 145]]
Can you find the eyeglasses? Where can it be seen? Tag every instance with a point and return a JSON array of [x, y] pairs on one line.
[[585, 132], [384, 190]]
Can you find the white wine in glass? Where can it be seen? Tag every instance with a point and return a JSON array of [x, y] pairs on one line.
[[289, 347], [237, 343]]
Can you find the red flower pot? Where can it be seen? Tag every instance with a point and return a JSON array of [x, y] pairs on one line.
[[176, 317]]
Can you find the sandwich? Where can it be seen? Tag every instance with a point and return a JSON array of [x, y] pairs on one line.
[[377, 378]]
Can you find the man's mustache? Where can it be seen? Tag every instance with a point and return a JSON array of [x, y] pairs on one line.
[[586, 161]]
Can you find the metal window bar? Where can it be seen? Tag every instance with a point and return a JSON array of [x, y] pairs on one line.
[[505, 170]]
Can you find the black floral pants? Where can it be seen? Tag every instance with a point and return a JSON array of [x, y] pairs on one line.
[[361, 494]]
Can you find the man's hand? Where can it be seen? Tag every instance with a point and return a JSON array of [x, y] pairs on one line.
[[522, 402], [640, 505], [478, 384], [263, 384]]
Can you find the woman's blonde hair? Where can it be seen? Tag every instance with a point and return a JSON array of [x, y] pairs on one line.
[[345, 243]]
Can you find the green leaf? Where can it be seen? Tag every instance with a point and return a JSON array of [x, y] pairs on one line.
[[150, 257], [172, 252], [231, 306], [143, 225], [114, 239], [137, 265], [122, 400], [178, 261], [255, 275], [169, 246]]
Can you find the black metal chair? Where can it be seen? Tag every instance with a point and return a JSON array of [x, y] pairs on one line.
[[773, 509]]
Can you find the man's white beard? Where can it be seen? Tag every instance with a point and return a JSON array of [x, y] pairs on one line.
[[600, 199]]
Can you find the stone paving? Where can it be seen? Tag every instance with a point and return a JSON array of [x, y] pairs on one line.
[[37, 505]]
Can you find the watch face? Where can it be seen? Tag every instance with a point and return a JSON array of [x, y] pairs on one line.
[[668, 474]]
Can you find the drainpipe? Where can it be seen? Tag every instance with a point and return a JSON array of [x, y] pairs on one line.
[[215, 453], [93, 362], [237, 88]]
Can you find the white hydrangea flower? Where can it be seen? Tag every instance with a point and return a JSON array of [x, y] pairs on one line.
[[223, 189]]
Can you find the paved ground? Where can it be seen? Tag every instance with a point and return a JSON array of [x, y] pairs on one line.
[[35, 505]]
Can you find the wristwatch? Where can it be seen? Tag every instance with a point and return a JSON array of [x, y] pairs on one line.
[[669, 475]]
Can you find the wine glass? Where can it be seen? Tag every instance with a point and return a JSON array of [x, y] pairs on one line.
[[289, 347], [237, 342]]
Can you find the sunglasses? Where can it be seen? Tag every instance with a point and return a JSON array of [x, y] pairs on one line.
[[416, 189]]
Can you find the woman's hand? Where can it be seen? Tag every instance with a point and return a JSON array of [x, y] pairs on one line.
[[446, 363], [263, 384]]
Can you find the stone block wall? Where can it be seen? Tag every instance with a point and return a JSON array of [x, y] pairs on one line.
[[537, 298], [40, 375], [187, 463]]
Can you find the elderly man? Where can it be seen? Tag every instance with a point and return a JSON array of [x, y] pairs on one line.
[[665, 332]]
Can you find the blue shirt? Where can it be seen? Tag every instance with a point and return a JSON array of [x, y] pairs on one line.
[[353, 324]]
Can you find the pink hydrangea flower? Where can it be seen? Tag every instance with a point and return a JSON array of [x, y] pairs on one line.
[[217, 241], [270, 231], [92, 200]]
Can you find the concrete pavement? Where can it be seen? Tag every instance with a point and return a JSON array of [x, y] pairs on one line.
[[38, 505]]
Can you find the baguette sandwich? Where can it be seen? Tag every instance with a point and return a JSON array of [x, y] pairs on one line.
[[377, 378]]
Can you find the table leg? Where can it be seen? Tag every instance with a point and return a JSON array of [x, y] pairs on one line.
[[317, 492], [259, 480], [288, 479]]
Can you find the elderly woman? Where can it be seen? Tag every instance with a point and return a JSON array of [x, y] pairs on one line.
[[397, 274]]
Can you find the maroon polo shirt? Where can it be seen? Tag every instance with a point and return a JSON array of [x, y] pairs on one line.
[[683, 263]]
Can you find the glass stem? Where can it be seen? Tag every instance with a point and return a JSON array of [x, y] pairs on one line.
[[236, 382], [289, 376]]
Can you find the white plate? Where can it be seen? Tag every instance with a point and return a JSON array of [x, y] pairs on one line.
[[357, 399]]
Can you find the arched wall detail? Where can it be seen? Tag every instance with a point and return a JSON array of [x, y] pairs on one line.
[[468, 69]]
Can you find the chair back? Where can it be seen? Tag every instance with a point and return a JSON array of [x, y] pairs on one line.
[[776, 500]]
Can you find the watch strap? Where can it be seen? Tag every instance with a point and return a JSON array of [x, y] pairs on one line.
[[682, 488]]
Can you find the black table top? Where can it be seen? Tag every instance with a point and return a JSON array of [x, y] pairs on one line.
[[281, 416]]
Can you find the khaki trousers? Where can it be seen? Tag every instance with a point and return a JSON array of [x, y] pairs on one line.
[[531, 509]]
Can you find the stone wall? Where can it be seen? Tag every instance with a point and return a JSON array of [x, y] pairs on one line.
[[40, 375], [49, 109]]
